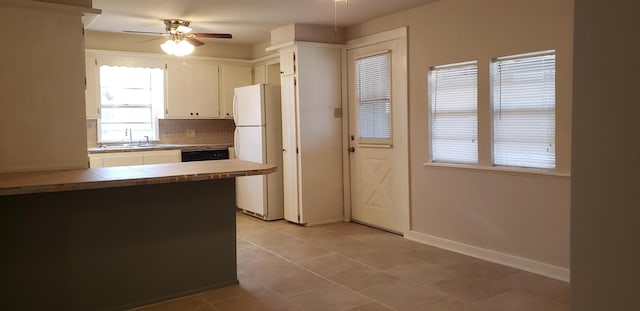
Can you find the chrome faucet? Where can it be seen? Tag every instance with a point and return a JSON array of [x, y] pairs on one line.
[[130, 134]]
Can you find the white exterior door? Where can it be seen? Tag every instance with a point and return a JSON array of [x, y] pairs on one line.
[[378, 123]]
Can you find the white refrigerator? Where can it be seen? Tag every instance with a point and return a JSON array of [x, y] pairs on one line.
[[258, 138]]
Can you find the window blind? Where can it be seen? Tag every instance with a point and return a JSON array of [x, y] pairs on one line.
[[373, 89], [523, 97], [453, 99]]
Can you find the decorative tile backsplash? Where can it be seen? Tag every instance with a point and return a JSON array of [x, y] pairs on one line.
[[181, 132], [196, 131]]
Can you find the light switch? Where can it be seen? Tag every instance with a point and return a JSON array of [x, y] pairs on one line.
[[337, 112]]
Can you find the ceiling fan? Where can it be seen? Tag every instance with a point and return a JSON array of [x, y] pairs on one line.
[[180, 38]]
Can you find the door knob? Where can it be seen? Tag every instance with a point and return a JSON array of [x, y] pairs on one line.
[[351, 149]]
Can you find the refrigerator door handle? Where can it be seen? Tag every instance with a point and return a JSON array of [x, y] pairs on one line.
[[235, 107], [236, 145]]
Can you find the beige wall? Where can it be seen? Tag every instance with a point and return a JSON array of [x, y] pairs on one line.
[[308, 33], [605, 211], [42, 97], [136, 43], [525, 215]]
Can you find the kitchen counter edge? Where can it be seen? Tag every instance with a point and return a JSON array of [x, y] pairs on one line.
[[183, 147], [122, 176]]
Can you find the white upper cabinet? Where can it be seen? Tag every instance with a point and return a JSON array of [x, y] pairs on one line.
[[231, 78], [192, 89], [91, 93], [288, 62]]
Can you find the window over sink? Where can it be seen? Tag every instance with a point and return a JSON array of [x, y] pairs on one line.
[[131, 100]]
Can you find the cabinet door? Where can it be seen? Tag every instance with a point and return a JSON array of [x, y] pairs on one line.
[[92, 89], [192, 90], [289, 150], [287, 62], [122, 159], [232, 77], [95, 161], [204, 90], [164, 156], [178, 85]]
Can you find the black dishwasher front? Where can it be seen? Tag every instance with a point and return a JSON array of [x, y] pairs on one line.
[[204, 155]]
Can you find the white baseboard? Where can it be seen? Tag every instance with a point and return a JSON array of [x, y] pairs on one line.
[[537, 267]]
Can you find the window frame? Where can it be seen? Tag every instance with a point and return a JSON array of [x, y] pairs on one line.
[[157, 109], [493, 102], [433, 106], [376, 142]]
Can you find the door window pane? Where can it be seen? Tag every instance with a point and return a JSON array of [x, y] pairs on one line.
[[373, 91]]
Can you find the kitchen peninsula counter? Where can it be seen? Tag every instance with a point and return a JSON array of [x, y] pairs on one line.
[[120, 237], [155, 147], [106, 177]]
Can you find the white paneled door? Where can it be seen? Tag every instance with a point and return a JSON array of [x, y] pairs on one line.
[[378, 135]]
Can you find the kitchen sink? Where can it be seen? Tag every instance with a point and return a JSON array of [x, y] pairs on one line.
[[135, 146]]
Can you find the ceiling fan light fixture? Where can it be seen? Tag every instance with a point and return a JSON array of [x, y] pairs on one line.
[[184, 48], [177, 47], [183, 29]]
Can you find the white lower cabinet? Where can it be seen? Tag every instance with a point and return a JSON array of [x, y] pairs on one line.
[[134, 158]]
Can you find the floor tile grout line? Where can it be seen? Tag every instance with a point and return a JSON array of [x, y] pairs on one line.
[[339, 254], [292, 235], [348, 258], [207, 302], [322, 277], [288, 234]]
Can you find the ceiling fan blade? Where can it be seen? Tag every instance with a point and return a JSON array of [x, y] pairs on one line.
[[194, 42], [144, 32], [143, 41], [214, 35]]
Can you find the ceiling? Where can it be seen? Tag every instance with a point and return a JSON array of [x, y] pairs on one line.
[[250, 21]]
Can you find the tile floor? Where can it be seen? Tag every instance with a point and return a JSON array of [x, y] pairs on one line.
[[346, 266]]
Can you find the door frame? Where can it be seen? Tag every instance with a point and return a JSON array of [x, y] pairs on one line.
[[400, 89]]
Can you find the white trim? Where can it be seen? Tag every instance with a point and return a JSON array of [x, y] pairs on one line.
[[537, 267], [164, 57], [346, 176], [501, 169], [303, 43], [389, 35], [272, 58], [524, 55]]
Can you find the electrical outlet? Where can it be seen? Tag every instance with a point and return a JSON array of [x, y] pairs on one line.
[[191, 133]]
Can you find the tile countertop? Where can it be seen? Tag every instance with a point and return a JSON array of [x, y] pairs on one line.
[[158, 146], [109, 177]]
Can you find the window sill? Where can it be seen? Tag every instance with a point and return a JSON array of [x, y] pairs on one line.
[[500, 169]]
